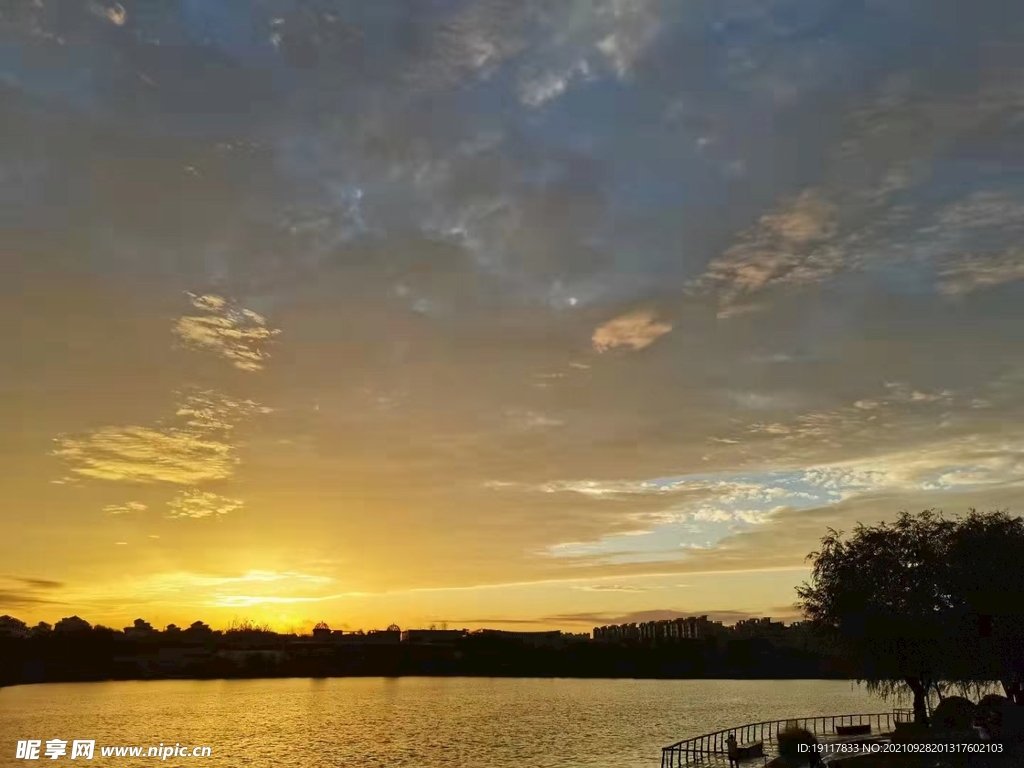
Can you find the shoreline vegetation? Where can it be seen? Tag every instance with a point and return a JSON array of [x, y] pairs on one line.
[[81, 653]]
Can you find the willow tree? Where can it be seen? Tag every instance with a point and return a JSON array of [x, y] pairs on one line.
[[881, 598], [985, 578]]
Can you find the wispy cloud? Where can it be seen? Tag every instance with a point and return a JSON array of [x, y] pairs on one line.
[[238, 335], [198, 504], [21, 592], [974, 273], [792, 246], [193, 447], [210, 411], [146, 455], [537, 90], [125, 509], [634, 26], [612, 588]]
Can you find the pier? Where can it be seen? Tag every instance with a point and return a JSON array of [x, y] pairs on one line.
[[710, 750]]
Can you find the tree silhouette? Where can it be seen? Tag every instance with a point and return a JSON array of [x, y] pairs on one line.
[[71, 625], [923, 600], [881, 597], [12, 626], [986, 580]]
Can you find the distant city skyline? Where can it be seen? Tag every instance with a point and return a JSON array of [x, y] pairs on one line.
[[507, 313], [9, 623]]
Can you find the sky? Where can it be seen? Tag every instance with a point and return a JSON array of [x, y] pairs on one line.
[[511, 313]]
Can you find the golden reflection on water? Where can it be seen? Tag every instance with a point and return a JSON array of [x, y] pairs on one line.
[[422, 722]]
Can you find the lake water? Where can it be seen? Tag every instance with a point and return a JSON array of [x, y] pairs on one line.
[[427, 722]]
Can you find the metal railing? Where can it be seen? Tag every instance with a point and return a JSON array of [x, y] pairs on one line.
[[685, 752]]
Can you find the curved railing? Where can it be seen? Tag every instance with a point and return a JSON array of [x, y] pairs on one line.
[[684, 752]]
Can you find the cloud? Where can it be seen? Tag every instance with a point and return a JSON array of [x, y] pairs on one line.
[[612, 588], [236, 334], [192, 448], [469, 45], [125, 509], [22, 592], [607, 489], [635, 25], [792, 246], [38, 583], [114, 13], [531, 420], [964, 462], [636, 330], [211, 411], [540, 89], [759, 401], [973, 273], [199, 589], [21, 599], [985, 209], [146, 455], [863, 420], [756, 516], [198, 504]]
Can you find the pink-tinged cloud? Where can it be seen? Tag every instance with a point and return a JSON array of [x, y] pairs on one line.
[[637, 330]]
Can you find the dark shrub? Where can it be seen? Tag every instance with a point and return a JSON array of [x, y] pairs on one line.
[[954, 712], [989, 713], [789, 742], [910, 732]]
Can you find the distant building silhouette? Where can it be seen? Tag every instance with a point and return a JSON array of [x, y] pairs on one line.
[[140, 628], [700, 628], [550, 639], [432, 636], [386, 636], [763, 628]]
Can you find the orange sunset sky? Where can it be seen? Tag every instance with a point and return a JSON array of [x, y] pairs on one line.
[[511, 314]]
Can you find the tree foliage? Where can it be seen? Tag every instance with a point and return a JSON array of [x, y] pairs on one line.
[[921, 600]]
